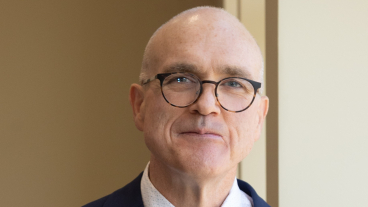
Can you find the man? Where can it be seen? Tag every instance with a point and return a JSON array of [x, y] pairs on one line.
[[200, 108]]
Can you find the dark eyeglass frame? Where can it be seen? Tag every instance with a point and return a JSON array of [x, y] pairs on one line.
[[161, 76]]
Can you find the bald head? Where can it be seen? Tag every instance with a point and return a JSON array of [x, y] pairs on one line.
[[211, 30]]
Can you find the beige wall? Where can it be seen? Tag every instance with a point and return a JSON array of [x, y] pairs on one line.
[[66, 130], [323, 72]]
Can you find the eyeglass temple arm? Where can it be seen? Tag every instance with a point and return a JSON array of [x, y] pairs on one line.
[[149, 80]]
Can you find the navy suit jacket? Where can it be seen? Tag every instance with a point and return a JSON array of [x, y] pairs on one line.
[[130, 196]]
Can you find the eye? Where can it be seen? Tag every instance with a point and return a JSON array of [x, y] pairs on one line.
[[232, 83], [182, 79]]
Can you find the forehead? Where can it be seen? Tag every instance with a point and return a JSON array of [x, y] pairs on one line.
[[228, 70], [201, 45]]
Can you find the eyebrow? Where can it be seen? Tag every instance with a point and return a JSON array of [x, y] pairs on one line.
[[181, 67], [231, 71], [236, 71]]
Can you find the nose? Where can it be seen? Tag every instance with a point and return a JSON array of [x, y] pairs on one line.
[[207, 102]]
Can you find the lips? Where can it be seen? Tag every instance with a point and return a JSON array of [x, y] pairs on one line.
[[200, 127], [202, 133]]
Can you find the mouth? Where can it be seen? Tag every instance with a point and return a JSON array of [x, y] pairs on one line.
[[202, 134]]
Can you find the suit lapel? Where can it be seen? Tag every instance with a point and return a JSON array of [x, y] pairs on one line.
[[257, 201], [130, 195]]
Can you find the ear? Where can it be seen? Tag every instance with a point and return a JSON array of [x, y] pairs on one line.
[[261, 115], [136, 98]]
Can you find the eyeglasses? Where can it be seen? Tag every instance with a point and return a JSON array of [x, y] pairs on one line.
[[180, 89]]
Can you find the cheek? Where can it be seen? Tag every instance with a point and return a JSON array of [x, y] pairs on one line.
[[153, 121], [157, 124], [242, 135]]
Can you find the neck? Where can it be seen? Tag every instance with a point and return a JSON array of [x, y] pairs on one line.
[[186, 189]]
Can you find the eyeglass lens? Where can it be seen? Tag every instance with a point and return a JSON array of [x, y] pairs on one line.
[[182, 89]]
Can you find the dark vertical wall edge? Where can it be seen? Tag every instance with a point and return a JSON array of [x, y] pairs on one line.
[[272, 126]]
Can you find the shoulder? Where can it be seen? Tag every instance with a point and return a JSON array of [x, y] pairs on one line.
[[248, 189], [129, 195]]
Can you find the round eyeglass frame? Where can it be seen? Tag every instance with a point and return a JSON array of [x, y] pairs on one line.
[[161, 76]]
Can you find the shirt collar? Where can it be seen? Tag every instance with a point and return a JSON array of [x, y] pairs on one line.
[[153, 198], [150, 195], [237, 198]]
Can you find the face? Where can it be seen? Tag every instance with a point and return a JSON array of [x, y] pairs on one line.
[[202, 139]]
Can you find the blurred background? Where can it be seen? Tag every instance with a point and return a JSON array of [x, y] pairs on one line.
[[66, 131]]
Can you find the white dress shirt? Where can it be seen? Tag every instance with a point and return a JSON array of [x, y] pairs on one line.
[[152, 198]]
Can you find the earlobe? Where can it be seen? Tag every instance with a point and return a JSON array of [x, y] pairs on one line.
[[262, 112], [136, 98], [264, 102]]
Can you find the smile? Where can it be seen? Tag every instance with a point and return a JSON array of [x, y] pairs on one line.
[[201, 135]]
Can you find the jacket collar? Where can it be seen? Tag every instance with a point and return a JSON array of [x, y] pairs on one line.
[[130, 195]]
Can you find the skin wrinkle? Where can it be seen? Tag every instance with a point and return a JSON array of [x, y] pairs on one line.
[[188, 167], [228, 71]]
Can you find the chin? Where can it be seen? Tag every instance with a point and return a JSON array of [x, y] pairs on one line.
[[200, 165]]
